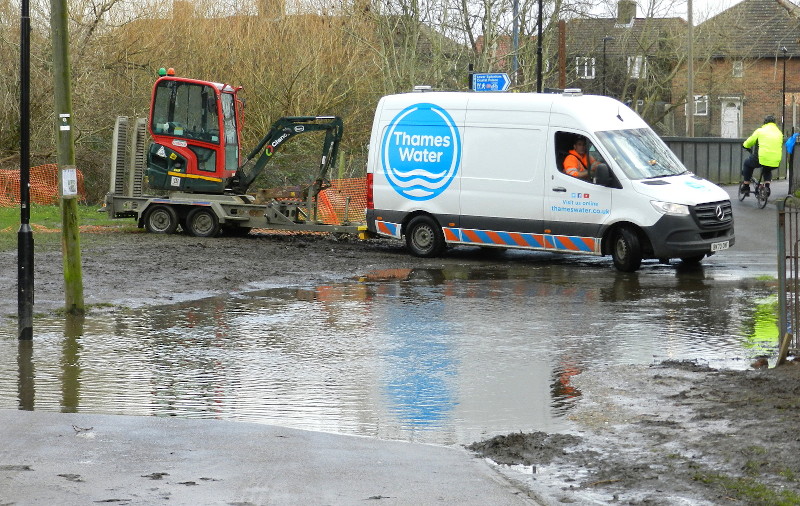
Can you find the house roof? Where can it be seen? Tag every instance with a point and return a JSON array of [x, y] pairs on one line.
[[641, 36], [753, 29]]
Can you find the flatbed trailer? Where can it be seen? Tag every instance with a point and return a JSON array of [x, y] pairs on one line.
[[206, 215], [203, 215]]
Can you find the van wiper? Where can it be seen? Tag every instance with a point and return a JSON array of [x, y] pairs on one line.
[[671, 174]]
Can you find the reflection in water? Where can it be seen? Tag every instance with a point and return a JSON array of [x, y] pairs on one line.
[[563, 392], [419, 362], [70, 364], [431, 355], [25, 375], [764, 335]]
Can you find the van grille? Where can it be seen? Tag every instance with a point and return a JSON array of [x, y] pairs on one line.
[[708, 216]]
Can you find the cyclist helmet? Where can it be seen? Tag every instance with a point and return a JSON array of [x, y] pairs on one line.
[[769, 118]]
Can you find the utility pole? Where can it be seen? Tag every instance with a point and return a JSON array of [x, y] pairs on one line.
[[562, 54], [515, 45], [690, 105], [25, 234], [539, 50], [67, 174], [605, 41], [783, 93]]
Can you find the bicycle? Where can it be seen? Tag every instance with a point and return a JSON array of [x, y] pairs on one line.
[[761, 192]]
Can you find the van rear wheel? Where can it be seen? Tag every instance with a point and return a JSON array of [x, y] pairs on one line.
[[424, 237], [626, 250]]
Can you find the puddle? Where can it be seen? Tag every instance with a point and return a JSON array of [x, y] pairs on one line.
[[439, 356]]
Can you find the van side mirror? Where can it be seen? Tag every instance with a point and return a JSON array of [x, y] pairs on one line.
[[604, 177]]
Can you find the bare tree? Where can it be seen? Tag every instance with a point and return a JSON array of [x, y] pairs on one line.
[[292, 58]]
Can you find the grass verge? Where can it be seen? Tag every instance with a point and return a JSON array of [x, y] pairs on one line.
[[45, 222], [749, 490]]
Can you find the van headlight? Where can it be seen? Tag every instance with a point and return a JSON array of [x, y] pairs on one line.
[[670, 208]]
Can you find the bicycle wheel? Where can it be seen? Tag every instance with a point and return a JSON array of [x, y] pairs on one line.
[[742, 192], [761, 196]]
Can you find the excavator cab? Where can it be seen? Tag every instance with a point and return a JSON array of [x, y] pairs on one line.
[[195, 130]]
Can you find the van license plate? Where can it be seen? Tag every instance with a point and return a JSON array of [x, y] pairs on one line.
[[719, 246]]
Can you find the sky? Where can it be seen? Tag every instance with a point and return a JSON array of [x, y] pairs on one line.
[[702, 9]]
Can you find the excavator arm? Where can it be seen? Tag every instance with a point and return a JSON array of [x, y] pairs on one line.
[[281, 131]]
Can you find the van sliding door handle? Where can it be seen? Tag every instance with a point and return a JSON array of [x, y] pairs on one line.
[[559, 189]]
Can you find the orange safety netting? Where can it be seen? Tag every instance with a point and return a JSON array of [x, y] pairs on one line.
[[43, 186], [333, 202]]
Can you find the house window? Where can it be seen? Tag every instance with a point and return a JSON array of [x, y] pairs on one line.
[[701, 105], [584, 67], [738, 68], [637, 67]]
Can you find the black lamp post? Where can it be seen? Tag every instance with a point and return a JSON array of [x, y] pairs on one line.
[[783, 94], [605, 41], [25, 234]]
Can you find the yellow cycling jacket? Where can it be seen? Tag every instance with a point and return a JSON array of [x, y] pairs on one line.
[[770, 144]]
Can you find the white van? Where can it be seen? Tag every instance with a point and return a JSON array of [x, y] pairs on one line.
[[487, 169]]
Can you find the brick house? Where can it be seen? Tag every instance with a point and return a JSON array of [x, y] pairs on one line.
[[740, 56], [628, 58]]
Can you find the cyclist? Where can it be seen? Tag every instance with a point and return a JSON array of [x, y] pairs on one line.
[[766, 149]]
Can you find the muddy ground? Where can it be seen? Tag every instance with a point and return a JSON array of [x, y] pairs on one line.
[[675, 433], [671, 434]]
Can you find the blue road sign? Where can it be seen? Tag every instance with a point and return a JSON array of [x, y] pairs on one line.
[[490, 82]]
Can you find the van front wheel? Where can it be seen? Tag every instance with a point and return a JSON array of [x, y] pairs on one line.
[[424, 237], [626, 250]]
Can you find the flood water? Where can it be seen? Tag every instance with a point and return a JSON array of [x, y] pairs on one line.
[[439, 356]]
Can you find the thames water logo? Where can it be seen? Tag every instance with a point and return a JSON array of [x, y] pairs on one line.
[[697, 185], [421, 151]]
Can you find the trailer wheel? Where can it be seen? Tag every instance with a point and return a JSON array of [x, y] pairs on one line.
[[424, 237], [202, 222], [161, 220], [626, 250]]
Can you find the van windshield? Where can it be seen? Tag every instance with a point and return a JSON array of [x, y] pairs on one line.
[[641, 154]]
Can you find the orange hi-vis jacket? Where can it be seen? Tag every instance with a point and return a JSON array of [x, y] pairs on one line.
[[576, 165]]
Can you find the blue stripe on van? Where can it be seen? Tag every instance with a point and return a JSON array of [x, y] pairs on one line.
[[574, 244], [388, 228], [546, 242]]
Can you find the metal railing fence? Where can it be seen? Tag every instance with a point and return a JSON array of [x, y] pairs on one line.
[[789, 273], [714, 158]]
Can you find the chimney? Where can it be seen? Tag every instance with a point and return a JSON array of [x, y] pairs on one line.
[[182, 9], [626, 11], [270, 8]]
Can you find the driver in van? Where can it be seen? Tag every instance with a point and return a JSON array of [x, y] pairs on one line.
[[578, 163]]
